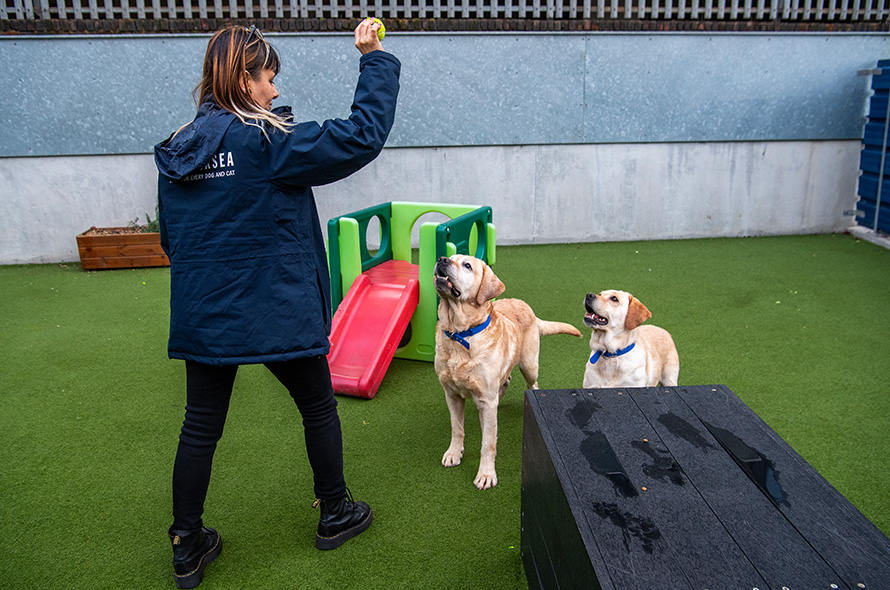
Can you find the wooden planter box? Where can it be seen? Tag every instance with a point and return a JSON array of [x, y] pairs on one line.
[[120, 247]]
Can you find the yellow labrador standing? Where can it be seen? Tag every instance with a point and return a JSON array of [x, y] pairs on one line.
[[478, 343], [622, 352]]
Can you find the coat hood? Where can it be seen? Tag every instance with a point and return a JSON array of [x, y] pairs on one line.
[[194, 145]]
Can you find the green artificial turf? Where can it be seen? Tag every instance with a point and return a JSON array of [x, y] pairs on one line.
[[90, 409]]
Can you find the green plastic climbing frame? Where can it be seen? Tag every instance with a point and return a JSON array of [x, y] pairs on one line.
[[468, 230]]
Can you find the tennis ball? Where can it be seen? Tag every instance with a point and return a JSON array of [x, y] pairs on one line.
[[381, 32]]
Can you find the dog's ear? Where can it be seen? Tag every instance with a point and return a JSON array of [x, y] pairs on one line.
[[637, 313], [490, 286]]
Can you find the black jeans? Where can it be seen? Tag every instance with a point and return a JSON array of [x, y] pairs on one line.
[[208, 390]]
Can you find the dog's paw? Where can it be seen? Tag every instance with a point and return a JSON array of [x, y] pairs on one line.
[[452, 458], [485, 481]]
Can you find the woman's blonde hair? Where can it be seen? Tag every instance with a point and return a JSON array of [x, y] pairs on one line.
[[230, 53]]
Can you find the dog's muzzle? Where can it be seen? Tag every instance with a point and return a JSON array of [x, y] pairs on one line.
[[591, 319], [443, 281]]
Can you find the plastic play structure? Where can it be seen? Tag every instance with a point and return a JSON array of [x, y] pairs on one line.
[[383, 304]]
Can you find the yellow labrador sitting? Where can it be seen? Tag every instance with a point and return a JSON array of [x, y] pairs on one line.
[[624, 353], [478, 343]]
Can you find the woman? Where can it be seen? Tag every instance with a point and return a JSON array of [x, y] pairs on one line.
[[249, 279]]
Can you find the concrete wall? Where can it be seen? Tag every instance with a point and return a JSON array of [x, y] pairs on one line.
[[570, 137], [540, 194], [91, 95], [612, 192]]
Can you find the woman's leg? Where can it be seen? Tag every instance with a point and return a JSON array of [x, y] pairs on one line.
[[309, 382], [208, 391]]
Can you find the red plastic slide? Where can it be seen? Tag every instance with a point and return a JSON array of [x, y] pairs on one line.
[[368, 325]]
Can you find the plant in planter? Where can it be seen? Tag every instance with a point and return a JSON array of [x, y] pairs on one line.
[[134, 246]]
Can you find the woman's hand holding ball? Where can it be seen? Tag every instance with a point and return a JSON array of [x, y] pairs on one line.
[[368, 35]]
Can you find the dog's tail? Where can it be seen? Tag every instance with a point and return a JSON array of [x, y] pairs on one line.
[[547, 328]]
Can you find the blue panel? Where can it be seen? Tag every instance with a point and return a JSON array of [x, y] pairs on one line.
[[868, 193], [868, 186], [877, 105], [873, 134], [874, 141], [870, 161], [868, 219], [122, 94], [881, 81]]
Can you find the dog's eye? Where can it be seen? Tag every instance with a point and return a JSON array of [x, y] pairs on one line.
[[468, 266], [615, 299]]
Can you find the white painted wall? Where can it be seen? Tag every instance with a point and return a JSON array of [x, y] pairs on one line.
[[539, 194]]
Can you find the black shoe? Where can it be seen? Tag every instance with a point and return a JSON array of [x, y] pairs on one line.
[[192, 553], [341, 519]]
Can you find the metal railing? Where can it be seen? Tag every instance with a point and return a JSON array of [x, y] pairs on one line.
[[849, 11]]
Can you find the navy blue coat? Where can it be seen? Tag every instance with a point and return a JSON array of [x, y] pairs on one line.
[[248, 270]]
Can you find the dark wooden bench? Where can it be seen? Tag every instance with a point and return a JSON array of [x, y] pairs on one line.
[[681, 488]]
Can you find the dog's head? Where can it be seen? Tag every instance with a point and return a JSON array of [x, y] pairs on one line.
[[466, 279], [614, 310]]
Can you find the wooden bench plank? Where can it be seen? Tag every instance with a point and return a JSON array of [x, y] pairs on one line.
[[696, 538], [122, 250], [778, 551], [856, 549], [115, 239], [621, 539], [124, 262]]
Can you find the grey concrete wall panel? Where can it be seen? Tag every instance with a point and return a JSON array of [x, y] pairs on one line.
[[619, 192], [86, 96], [46, 202], [746, 87], [490, 90], [90, 95], [539, 194]]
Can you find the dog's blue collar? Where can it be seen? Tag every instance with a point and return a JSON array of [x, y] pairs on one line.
[[459, 337], [596, 356]]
